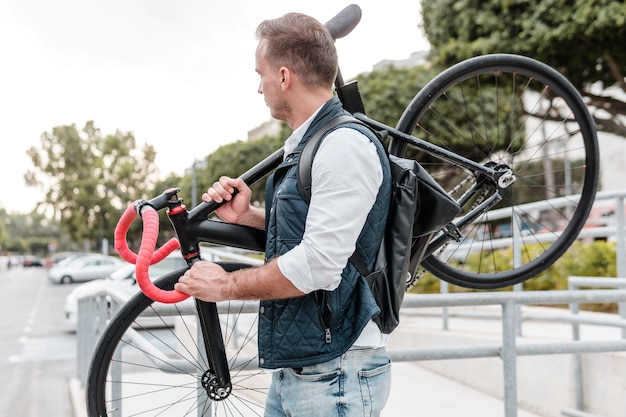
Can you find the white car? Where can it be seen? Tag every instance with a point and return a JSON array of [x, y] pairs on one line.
[[84, 268], [123, 280]]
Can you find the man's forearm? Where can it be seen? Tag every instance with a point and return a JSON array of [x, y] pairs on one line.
[[261, 283], [255, 217]]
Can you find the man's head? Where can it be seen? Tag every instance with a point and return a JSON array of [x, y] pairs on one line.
[[297, 61], [302, 44]]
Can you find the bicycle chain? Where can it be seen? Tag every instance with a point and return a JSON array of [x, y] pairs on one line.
[[413, 280]]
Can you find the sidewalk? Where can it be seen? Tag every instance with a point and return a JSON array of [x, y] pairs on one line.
[[416, 391]]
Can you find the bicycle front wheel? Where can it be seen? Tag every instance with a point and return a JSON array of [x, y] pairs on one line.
[[507, 112], [149, 361]]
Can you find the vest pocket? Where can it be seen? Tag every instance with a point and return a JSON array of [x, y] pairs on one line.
[[290, 215]]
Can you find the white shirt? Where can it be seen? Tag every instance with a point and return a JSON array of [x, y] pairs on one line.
[[345, 179]]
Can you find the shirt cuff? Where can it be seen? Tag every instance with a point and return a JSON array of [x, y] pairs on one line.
[[291, 266], [295, 267]]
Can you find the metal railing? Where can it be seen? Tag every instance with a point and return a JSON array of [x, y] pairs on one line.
[[102, 306], [95, 311], [508, 350], [575, 283]]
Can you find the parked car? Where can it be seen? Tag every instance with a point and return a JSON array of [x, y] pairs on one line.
[[124, 280], [30, 260], [57, 258], [83, 268]]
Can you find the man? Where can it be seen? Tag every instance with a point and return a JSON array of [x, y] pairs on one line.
[[315, 324]]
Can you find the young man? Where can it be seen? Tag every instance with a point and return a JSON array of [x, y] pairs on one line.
[[315, 324]]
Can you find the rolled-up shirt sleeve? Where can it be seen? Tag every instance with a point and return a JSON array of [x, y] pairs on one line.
[[346, 176]]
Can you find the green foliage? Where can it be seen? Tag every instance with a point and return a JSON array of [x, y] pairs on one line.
[[387, 92], [90, 178], [236, 158], [4, 235], [30, 234], [596, 259], [581, 38]]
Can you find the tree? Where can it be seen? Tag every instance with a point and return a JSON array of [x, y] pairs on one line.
[[4, 235], [90, 178], [30, 233], [388, 91], [236, 158], [582, 39]]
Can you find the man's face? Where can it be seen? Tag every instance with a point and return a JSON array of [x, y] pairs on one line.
[[271, 84]]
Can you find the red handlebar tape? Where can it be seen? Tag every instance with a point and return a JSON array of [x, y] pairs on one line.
[[147, 256]]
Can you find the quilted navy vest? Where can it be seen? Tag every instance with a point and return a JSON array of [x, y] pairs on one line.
[[322, 325]]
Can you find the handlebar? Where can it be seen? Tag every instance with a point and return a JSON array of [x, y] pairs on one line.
[[169, 199], [147, 255]]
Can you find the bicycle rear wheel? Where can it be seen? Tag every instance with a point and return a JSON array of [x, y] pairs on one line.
[[149, 362], [507, 111]]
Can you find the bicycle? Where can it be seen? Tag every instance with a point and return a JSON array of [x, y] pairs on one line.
[[525, 105]]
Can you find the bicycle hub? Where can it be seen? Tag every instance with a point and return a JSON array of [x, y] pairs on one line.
[[215, 390]]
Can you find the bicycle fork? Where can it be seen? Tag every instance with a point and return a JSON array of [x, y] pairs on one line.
[[215, 380]]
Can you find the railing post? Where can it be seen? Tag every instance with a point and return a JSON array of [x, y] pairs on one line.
[[91, 318], [509, 358], [516, 227], [444, 288], [576, 358], [620, 249], [620, 232], [84, 323]]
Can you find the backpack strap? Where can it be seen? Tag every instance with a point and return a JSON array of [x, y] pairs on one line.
[[305, 165]]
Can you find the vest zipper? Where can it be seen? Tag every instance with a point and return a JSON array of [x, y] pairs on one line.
[[323, 302]]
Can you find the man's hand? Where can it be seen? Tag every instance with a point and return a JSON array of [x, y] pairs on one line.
[[236, 195], [210, 282], [206, 281], [237, 205]]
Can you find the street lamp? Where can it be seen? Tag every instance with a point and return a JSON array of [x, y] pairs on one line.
[[196, 164]]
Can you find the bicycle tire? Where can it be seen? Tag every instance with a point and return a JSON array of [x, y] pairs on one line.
[[512, 110], [167, 381]]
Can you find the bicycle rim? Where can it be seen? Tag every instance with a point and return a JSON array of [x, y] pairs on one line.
[[148, 362], [507, 111]]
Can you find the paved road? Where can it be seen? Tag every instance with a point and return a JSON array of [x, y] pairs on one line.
[[37, 349]]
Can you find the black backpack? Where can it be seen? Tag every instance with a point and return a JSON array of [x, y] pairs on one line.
[[419, 208]]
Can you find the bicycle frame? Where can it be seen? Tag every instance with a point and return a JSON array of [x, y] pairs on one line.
[[193, 227]]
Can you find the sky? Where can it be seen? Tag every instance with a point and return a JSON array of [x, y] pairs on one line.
[[179, 74]]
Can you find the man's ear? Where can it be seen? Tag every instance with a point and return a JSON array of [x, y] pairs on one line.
[[285, 77]]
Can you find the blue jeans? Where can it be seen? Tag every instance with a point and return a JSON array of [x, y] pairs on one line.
[[355, 384]]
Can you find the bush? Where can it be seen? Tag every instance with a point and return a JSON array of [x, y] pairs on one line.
[[596, 259]]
